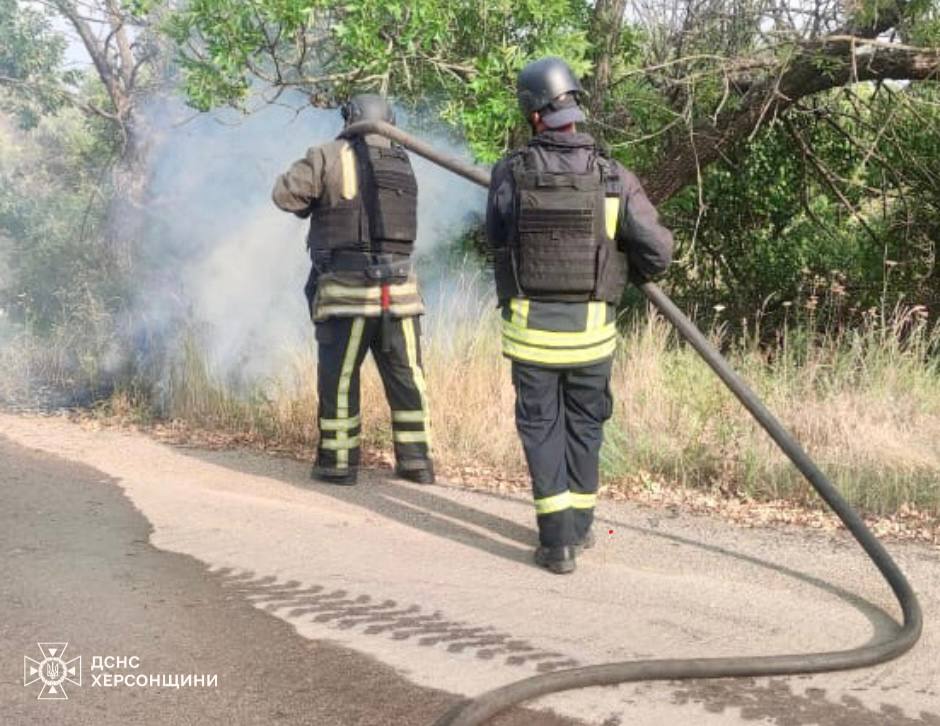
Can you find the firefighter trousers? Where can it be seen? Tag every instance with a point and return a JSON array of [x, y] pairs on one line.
[[560, 415], [342, 344]]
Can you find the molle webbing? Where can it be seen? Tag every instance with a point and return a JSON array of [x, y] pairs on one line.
[[336, 227], [559, 228]]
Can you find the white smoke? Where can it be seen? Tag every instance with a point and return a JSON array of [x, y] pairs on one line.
[[224, 259]]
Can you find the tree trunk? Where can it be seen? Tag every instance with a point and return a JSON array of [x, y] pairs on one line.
[[125, 217], [606, 25]]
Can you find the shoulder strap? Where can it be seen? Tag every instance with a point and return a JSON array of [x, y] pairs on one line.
[[362, 152]]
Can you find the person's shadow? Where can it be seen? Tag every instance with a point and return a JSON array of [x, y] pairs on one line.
[[427, 509]]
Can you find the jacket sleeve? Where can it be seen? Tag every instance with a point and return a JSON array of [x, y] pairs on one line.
[[499, 207], [647, 243], [296, 189]]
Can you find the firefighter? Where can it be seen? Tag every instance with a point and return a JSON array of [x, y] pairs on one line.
[[360, 195], [566, 225]]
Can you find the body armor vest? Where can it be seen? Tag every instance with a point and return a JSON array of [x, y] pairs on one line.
[[560, 249], [381, 218]]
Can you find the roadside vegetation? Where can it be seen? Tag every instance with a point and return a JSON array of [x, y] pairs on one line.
[[865, 403]]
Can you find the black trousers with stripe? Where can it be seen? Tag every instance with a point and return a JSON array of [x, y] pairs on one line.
[[560, 415], [342, 344]]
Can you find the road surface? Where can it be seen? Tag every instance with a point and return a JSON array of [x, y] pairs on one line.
[[388, 602]]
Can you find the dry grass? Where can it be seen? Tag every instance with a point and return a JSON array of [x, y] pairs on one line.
[[866, 407]]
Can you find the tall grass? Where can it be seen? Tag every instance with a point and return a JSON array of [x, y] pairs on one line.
[[865, 403], [71, 362]]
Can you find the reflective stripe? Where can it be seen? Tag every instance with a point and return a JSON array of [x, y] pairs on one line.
[[597, 316], [410, 437], [346, 301], [594, 342], [408, 416], [341, 446], [520, 311], [334, 289], [368, 310], [590, 317], [557, 339], [338, 424], [559, 356], [347, 159], [557, 503], [411, 349], [342, 394], [583, 501], [611, 215]]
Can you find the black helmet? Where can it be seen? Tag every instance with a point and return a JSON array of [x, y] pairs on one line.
[[367, 107], [550, 82]]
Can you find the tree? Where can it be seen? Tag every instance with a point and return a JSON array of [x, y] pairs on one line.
[[459, 58], [723, 68], [677, 87], [125, 57]]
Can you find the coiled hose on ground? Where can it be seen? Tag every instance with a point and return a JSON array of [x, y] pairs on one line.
[[483, 707]]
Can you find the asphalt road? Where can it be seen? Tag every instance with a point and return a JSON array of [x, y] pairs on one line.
[[77, 567], [384, 603]]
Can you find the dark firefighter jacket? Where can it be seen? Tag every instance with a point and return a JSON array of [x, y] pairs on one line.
[[564, 334], [328, 174]]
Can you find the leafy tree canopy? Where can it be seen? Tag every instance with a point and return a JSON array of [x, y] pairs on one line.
[[32, 80]]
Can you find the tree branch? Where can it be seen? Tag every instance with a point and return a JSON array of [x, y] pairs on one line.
[[95, 52], [55, 90], [817, 66]]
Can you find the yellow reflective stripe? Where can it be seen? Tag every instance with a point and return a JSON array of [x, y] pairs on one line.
[[611, 215], [558, 356], [339, 424], [597, 315], [520, 311], [341, 446], [591, 315], [342, 393], [410, 437], [558, 339], [347, 160], [411, 349], [557, 503], [408, 416], [583, 501]]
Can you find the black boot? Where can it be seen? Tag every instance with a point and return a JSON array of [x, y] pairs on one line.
[[420, 471], [343, 477], [560, 560]]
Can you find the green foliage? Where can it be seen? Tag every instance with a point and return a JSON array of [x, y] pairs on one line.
[[31, 55], [53, 196], [463, 53], [829, 225]]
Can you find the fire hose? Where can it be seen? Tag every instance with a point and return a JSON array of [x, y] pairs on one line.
[[480, 709]]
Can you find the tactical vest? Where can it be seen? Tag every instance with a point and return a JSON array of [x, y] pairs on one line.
[[560, 249], [381, 218]]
